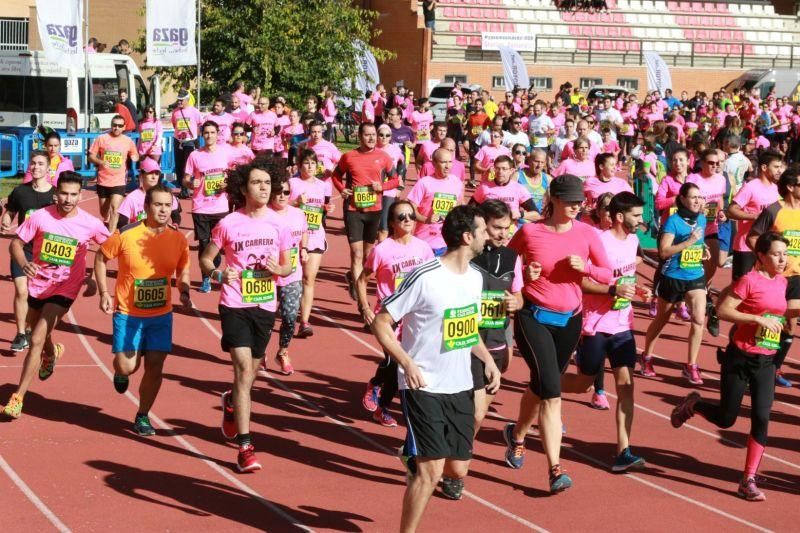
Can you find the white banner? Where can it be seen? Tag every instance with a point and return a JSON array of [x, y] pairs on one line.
[[60, 29], [171, 33], [658, 76], [368, 76], [514, 70], [517, 41]]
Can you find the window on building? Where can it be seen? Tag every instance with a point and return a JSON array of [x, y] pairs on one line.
[[588, 83], [630, 84], [498, 82], [452, 78], [541, 84]]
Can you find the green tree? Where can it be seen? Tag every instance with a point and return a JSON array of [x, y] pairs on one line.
[[286, 47]]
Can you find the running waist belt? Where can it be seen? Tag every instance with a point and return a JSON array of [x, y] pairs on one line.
[[548, 317]]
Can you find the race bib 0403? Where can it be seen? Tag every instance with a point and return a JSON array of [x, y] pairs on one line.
[[493, 310], [364, 197], [460, 328], [58, 250], [150, 293], [258, 287]]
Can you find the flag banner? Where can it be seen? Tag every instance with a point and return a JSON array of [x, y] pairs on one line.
[[658, 76], [171, 33], [368, 76], [514, 70], [60, 29]]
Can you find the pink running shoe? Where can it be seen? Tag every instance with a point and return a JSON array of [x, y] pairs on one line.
[[682, 313], [285, 365], [599, 401], [646, 367], [684, 410], [384, 418], [749, 490], [370, 398], [692, 374]]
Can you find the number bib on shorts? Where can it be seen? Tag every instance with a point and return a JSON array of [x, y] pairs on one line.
[[364, 197], [622, 303], [443, 203], [712, 208], [114, 159], [767, 339], [460, 328], [692, 257], [294, 254], [258, 287], [148, 135], [313, 216], [150, 293], [493, 310], [214, 184], [793, 236], [58, 250]]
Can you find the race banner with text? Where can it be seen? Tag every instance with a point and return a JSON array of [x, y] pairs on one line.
[[60, 23], [658, 76], [514, 70], [171, 33]]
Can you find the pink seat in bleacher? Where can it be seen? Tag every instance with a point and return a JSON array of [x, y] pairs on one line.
[[449, 12], [455, 27], [468, 27], [461, 13], [508, 28], [495, 26], [475, 40], [583, 44], [461, 40], [502, 14], [482, 26], [672, 6]]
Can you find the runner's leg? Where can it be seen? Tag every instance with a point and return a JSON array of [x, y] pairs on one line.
[[21, 303], [43, 325], [419, 491], [310, 270], [151, 380]]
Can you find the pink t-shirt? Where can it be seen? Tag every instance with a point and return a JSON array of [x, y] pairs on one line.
[[150, 134], [368, 111], [392, 261], [610, 147], [327, 153], [224, 121], [457, 169], [63, 165], [263, 125], [59, 247], [430, 195], [186, 123], [293, 221], [759, 296], [132, 207], [712, 190], [487, 155], [668, 189], [599, 315], [209, 170], [513, 194], [238, 154], [397, 156], [329, 110], [582, 169], [753, 198], [315, 191], [421, 125], [244, 99], [593, 187], [247, 243], [280, 146], [428, 147]]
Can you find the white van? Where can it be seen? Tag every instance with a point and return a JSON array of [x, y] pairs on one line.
[[783, 80], [36, 91]]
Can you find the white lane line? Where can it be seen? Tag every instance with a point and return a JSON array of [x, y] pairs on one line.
[[59, 366], [364, 437], [34, 499], [183, 442], [596, 461]]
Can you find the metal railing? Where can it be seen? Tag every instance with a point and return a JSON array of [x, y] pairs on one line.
[[13, 34]]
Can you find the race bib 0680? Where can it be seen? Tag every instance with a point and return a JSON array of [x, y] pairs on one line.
[[258, 287]]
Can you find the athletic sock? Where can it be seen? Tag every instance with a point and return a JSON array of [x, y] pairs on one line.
[[244, 440], [754, 453], [140, 415]]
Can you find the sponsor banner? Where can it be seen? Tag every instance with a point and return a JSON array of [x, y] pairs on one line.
[[60, 29], [517, 41], [515, 72], [171, 33], [658, 76]]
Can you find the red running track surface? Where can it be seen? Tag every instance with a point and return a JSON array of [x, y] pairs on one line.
[[72, 463]]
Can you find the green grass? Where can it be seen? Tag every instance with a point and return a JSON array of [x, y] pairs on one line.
[[7, 185]]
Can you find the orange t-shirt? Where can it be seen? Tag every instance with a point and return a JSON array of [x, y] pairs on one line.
[[116, 151], [147, 263]]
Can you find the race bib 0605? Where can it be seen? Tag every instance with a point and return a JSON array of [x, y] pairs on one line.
[[150, 293]]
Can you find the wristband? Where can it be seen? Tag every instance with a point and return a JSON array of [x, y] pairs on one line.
[[216, 275], [612, 290]]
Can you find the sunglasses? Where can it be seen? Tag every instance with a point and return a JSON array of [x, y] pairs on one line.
[[384, 135], [283, 192], [714, 163], [402, 217], [520, 152], [118, 125], [238, 133]]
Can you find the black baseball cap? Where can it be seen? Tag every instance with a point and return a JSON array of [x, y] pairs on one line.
[[567, 188]]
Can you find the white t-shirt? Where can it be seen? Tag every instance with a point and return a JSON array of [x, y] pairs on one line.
[[440, 310], [510, 139], [538, 128]]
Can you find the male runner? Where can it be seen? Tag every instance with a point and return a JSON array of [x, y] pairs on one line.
[[149, 254], [111, 152]]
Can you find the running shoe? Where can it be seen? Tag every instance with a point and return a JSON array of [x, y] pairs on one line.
[[626, 460], [304, 330], [120, 383], [370, 399], [515, 451], [282, 360], [229, 430], [713, 320], [646, 367], [653, 308], [247, 461], [142, 426], [384, 418], [599, 401], [452, 488], [559, 480], [781, 381], [351, 285], [205, 286], [20, 342], [13, 408], [749, 490], [48, 365], [692, 374], [682, 313], [684, 410]]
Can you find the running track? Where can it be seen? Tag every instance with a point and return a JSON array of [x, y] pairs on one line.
[[71, 462]]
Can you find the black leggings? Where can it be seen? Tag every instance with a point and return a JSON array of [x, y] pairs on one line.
[[740, 370], [546, 350], [386, 378]]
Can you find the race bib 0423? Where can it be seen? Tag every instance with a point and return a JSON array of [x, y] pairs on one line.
[[692, 257]]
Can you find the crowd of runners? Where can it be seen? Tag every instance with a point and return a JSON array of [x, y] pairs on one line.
[[515, 232]]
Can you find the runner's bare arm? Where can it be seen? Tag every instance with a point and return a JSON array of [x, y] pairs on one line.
[[727, 310], [361, 293], [18, 255], [184, 285], [100, 272]]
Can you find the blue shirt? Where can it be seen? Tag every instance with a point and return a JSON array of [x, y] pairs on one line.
[[688, 264]]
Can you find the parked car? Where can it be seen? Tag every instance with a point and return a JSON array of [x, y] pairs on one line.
[[602, 91], [440, 94]]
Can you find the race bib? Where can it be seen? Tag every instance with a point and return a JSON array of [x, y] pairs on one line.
[[443, 203], [423, 135], [141, 216], [477, 130], [767, 339], [294, 253], [539, 140], [712, 208], [28, 213], [147, 135], [460, 328], [58, 250], [364, 197], [622, 303], [793, 236], [183, 124], [625, 128], [114, 159], [673, 210], [493, 310], [313, 216], [214, 183], [490, 177], [258, 287], [150, 293], [398, 279], [320, 172], [692, 257]]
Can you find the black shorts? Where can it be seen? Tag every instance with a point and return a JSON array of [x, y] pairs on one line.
[[743, 263], [108, 192], [246, 327], [479, 369], [362, 226], [39, 303], [673, 290], [793, 288], [593, 349], [386, 204], [439, 425], [203, 224], [16, 270]]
